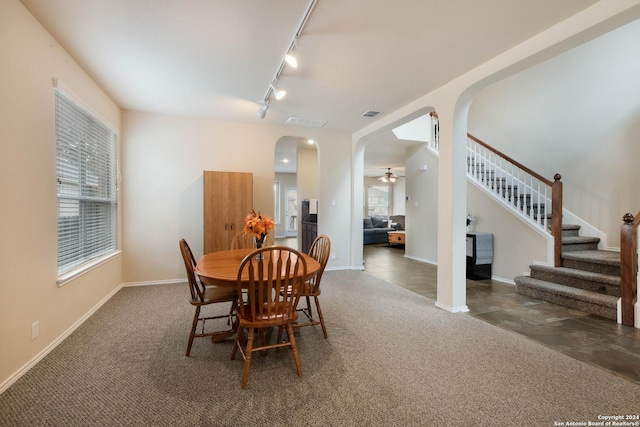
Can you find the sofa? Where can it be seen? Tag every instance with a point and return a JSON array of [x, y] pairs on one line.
[[376, 228]]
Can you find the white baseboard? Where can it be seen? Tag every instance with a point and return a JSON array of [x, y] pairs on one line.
[[503, 280], [155, 282], [24, 369], [427, 261], [346, 267], [461, 309]]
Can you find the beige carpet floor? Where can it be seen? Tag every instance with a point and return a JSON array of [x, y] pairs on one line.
[[391, 359]]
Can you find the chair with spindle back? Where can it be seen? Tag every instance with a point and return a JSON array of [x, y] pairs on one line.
[[320, 250], [263, 305], [202, 296]]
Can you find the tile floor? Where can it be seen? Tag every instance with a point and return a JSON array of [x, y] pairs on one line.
[[592, 339]]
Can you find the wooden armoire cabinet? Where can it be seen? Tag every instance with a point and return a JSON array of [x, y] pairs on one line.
[[228, 199]]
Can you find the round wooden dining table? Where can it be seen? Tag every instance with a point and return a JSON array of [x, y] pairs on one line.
[[221, 268]]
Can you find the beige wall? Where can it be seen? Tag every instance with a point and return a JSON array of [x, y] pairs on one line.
[[31, 58], [421, 216], [515, 245], [307, 175], [163, 160]]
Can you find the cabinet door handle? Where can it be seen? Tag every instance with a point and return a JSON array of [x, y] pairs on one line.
[[231, 227], [225, 225]]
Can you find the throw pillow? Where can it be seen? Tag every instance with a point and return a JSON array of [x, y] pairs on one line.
[[368, 224], [379, 222]]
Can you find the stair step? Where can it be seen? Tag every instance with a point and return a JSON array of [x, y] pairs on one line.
[[580, 299], [569, 230], [579, 243], [604, 262], [590, 281]]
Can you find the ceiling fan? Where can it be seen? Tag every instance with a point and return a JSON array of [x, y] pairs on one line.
[[388, 176]]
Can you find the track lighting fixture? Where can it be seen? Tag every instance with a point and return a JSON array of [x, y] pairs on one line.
[[290, 60]]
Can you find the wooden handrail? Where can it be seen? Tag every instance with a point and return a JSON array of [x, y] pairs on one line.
[[629, 267], [556, 199], [504, 156]]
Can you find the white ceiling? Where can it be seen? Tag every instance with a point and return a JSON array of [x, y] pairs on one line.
[[216, 58]]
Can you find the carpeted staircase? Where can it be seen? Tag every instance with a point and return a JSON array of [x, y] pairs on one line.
[[589, 279]]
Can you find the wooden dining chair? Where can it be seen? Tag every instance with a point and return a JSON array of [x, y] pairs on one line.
[[262, 305], [319, 250], [247, 241], [205, 295]]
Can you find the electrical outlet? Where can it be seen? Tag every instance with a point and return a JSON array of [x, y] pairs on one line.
[[333, 256], [35, 330]]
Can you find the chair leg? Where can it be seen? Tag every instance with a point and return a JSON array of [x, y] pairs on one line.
[[319, 310], [239, 341], [247, 358], [263, 340], [309, 309], [231, 311], [294, 349], [193, 330]]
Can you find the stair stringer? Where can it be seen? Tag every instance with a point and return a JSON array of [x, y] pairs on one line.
[[587, 229]]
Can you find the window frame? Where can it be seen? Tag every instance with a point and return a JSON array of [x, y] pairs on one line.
[[369, 207], [86, 187], [276, 202]]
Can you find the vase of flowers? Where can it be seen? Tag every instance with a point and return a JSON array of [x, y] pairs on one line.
[[258, 225]]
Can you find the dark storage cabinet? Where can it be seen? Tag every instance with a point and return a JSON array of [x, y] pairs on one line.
[[309, 228], [309, 233], [479, 255]]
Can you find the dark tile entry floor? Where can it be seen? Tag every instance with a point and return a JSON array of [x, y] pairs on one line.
[[592, 339]]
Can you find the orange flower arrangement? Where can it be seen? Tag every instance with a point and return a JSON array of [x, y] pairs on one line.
[[258, 225]]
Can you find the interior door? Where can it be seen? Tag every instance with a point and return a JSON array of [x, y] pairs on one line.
[[291, 212]]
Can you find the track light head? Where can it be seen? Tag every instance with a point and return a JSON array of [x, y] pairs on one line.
[[277, 92], [291, 60], [263, 110]]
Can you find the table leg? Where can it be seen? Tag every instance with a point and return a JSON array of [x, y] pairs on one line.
[[223, 335]]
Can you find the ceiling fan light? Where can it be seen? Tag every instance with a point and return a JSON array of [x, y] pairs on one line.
[[388, 176]]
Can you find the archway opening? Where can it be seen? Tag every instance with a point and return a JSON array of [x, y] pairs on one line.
[[295, 188]]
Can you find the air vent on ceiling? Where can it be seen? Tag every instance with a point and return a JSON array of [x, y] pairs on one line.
[[296, 121], [370, 113]]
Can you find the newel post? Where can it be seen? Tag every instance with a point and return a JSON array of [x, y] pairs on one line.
[[628, 268], [556, 219]]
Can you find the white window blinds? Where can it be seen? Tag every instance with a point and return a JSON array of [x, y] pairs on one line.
[[87, 195]]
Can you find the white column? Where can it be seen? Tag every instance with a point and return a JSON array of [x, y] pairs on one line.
[[452, 210]]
